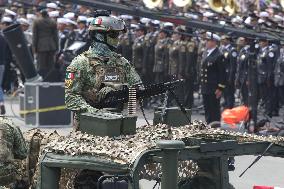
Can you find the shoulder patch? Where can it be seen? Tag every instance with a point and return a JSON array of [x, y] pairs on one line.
[[234, 54], [271, 54]]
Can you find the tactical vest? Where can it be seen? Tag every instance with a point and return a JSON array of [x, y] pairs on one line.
[[105, 75]]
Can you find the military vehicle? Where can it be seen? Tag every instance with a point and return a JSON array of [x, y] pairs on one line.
[[190, 156]]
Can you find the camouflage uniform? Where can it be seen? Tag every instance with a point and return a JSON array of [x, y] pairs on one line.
[[12, 146], [89, 70]]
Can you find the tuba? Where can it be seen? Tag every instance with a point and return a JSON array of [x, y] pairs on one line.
[[182, 3], [231, 7], [216, 5], [151, 4], [281, 2]]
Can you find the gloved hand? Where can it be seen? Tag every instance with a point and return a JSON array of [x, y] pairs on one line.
[[103, 92]]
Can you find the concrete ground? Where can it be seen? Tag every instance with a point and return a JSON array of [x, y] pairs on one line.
[[269, 171]]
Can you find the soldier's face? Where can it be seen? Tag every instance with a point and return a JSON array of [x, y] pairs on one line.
[[263, 44], [162, 35], [61, 27], [139, 33], [175, 37], [210, 44]]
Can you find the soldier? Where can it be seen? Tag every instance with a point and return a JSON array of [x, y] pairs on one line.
[[242, 69], [45, 42], [126, 40], [82, 32], [279, 81], [190, 74], [12, 148], [212, 78], [265, 65], [230, 54], [138, 49], [177, 59], [149, 50], [94, 73], [70, 37], [160, 68]]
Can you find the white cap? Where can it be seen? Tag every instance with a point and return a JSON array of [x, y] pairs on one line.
[[23, 21], [89, 20], [70, 22], [260, 21], [156, 22], [278, 18], [212, 36], [133, 26], [222, 22], [9, 12], [53, 14], [6, 19], [237, 19], [62, 21], [264, 14], [52, 5], [126, 17], [82, 19], [69, 15], [248, 21], [168, 24], [145, 20], [189, 15], [31, 16], [208, 14]]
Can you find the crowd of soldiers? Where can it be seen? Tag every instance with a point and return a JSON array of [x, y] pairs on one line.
[[162, 51], [168, 53]]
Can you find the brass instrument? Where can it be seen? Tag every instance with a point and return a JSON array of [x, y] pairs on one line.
[[216, 5], [151, 4], [219, 6], [281, 2]]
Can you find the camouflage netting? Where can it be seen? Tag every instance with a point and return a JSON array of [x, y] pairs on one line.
[[125, 149]]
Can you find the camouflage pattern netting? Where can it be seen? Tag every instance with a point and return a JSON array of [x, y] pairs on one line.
[[125, 149]]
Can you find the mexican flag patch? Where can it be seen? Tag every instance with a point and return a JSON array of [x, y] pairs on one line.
[[70, 75]]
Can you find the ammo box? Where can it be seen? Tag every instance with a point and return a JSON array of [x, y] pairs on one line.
[[107, 124], [174, 117]]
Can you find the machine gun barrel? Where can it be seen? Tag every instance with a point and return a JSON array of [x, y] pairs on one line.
[[114, 98]]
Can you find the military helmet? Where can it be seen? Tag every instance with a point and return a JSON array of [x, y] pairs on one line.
[[107, 24]]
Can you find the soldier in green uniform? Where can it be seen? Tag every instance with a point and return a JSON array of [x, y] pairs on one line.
[[138, 49], [160, 68], [149, 50], [12, 148], [99, 70], [177, 59], [190, 74]]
